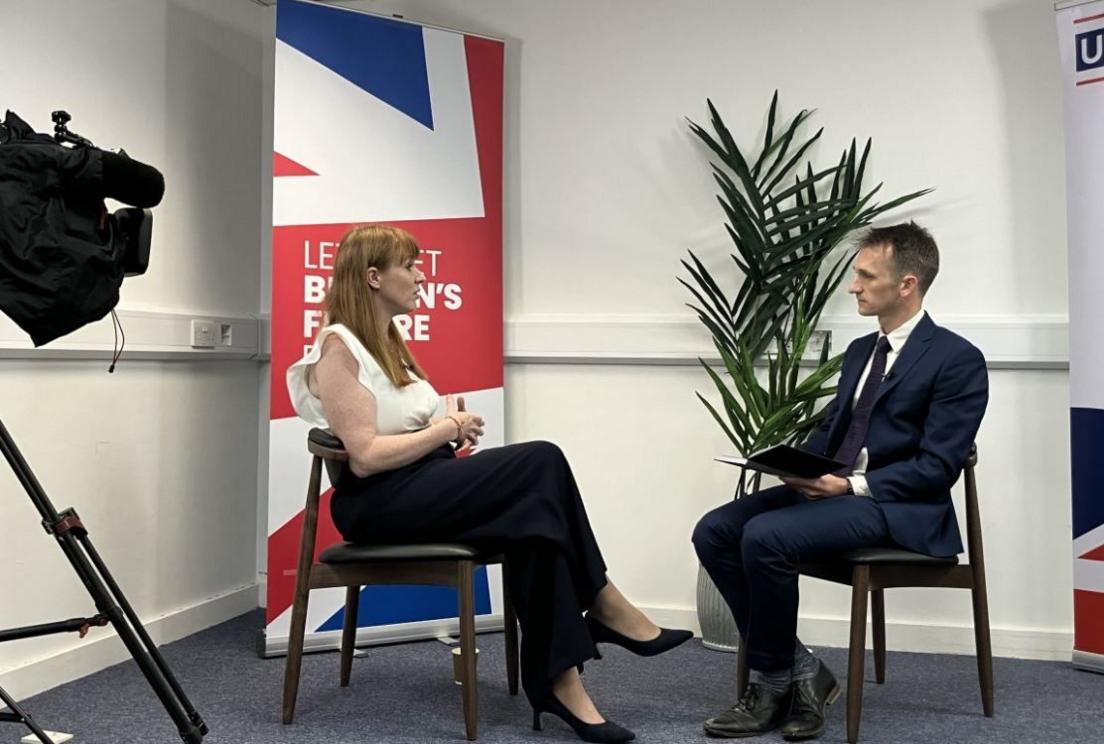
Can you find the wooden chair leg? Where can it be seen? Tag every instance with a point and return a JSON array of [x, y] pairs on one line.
[[302, 593], [856, 661], [877, 617], [348, 632], [982, 640], [294, 661], [466, 589], [742, 672], [509, 620]]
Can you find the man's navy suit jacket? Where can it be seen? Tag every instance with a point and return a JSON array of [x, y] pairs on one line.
[[925, 417]]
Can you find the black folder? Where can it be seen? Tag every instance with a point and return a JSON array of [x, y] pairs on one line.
[[782, 459]]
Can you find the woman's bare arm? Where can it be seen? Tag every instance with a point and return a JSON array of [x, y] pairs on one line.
[[351, 412]]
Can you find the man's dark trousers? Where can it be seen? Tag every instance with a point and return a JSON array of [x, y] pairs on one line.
[[752, 547]]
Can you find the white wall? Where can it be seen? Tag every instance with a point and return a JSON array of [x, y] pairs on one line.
[[160, 458], [606, 189]]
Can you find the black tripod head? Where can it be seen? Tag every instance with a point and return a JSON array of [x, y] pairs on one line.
[[62, 135]]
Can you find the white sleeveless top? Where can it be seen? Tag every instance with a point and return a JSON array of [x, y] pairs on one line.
[[398, 410]]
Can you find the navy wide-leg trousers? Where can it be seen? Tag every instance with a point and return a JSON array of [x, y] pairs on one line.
[[521, 500]]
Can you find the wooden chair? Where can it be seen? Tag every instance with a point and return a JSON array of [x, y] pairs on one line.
[[873, 570], [353, 566]]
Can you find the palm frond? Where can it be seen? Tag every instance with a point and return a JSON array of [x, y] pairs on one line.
[[788, 222]]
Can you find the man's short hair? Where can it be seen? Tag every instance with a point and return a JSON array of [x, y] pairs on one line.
[[914, 251]]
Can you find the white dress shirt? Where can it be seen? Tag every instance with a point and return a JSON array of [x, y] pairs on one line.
[[897, 338]]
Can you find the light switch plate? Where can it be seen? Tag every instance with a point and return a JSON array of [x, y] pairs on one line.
[[205, 334]]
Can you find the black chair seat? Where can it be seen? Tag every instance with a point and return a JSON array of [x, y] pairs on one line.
[[352, 553], [894, 555]]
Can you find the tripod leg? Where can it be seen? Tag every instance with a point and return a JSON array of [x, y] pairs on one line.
[[67, 529], [18, 715], [140, 631], [135, 638]]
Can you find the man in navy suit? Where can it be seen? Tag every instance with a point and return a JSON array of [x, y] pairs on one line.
[[909, 403]]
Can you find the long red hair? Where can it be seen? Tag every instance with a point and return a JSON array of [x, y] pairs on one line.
[[349, 300]]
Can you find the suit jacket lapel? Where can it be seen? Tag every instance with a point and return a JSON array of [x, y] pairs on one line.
[[918, 342], [849, 380]]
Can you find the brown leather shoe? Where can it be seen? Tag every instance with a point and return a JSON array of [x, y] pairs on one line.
[[757, 712], [810, 696]]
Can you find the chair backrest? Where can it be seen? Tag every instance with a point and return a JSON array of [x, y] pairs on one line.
[[330, 450], [322, 443], [973, 515]]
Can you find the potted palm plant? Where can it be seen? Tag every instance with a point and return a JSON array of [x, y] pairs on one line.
[[788, 222]]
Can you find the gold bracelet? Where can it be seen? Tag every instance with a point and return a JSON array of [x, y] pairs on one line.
[[459, 427]]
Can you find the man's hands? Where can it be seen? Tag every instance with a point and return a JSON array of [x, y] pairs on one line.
[[823, 487], [471, 425]]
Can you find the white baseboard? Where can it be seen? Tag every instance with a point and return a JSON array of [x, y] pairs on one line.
[[1017, 643], [103, 648]]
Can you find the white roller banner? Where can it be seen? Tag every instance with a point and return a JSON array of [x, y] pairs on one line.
[[1081, 41]]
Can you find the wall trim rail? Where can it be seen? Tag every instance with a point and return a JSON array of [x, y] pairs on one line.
[[150, 335], [1008, 341]]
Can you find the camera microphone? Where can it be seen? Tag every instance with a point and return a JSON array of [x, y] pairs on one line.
[[131, 182]]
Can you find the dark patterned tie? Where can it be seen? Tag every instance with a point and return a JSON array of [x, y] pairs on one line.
[[855, 437]]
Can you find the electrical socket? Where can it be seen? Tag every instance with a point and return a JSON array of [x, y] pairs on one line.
[[205, 334], [817, 341]]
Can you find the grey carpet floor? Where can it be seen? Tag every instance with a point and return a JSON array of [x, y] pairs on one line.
[[405, 693]]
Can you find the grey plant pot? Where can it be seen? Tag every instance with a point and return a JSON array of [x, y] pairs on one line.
[[719, 631]]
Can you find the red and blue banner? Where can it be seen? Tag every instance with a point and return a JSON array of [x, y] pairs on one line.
[[379, 120], [1081, 42]]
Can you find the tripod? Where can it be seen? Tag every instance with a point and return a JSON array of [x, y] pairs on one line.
[[111, 606]]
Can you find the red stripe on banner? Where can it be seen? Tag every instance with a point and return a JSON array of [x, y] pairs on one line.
[[1088, 621], [485, 73], [1086, 19], [283, 554], [285, 166], [1091, 80], [1096, 554]]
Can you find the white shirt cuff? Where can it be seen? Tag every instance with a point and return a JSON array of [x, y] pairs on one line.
[[859, 485]]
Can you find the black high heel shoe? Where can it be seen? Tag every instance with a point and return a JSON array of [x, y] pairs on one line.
[[665, 641], [602, 733]]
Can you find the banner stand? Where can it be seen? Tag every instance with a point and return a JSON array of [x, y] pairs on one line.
[[1081, 46], [381, 120]]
